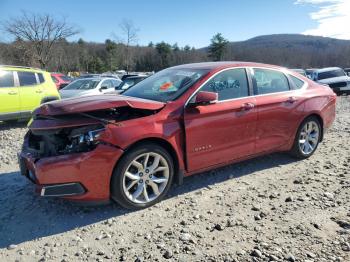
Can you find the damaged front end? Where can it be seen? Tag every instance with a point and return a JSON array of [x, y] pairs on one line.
[[55, 142], [66, 153]]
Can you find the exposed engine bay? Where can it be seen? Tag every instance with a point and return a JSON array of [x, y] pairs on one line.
[[74, 133]]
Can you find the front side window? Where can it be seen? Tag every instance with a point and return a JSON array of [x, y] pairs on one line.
[[6, 79], [26, 78], [229, 84], [107, 83], [166, 85], [82, 84], [269, 81]]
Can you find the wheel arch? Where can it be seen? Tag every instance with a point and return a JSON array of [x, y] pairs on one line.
[[319, 118], [178, 174], [49, 99]]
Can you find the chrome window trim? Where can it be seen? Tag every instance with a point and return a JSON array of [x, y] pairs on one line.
[[250, 69]]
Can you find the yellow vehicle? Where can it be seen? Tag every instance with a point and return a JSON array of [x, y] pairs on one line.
[[22, 89]]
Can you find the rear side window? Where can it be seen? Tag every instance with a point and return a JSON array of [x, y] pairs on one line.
[[229, 84], [26, 78], [6, 79], [41, 78], [54, 79], [269, 81], [298, 83]]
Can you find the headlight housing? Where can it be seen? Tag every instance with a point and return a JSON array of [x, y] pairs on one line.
[[83, 139]]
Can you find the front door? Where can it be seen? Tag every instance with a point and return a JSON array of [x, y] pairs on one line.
[[221, 132]]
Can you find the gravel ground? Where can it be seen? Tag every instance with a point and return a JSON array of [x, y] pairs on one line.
[[272, 208]]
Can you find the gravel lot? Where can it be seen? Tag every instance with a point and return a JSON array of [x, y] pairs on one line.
[[273, 208]]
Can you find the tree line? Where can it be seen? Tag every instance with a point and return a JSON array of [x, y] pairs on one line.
[[40, 40]]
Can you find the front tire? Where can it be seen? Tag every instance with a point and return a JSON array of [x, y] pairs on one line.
[[307, 138], [142, 177]]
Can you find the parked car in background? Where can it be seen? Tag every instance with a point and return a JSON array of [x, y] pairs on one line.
[[309, 72], [90, 86], [22, 89], [334, 77], [132, 75], [61, 80], [347, 71], [300, 71], [180, 121], [129, 82]]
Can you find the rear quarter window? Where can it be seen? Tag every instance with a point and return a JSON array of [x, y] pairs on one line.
[[41, 78], [26, 78], [298, 83]]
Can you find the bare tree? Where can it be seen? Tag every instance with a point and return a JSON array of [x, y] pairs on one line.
[[41, 31], [129, 32]]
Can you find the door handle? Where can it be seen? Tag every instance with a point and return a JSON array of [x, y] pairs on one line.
[[12, 93], [247, 106], [291, 99], [39, 91]]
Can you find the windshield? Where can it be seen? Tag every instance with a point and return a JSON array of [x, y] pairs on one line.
[[166, 85], [82, 84], [331, 74]]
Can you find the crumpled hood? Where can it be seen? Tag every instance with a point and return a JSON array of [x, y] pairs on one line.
[[93, 103], [335, 80]]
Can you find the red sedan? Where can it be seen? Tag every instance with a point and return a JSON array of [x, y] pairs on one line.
[[60, 80], [181, 121]]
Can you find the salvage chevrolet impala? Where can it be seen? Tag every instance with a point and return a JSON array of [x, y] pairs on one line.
[[181, 121]]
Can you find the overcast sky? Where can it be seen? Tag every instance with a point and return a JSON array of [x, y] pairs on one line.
[[192, 22]]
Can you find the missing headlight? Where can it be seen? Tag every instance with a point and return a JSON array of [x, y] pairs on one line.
[[55, 142]]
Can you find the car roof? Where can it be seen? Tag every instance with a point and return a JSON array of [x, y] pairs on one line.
[[224, 64], [97, 78], [21, 68], [135, 77], [327, 69]]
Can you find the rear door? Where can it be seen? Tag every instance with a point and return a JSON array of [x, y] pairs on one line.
[[224, 131], [277, 108], [30, 89], [9, 95]]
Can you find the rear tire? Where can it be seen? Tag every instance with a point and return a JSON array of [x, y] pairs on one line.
[[142, 177], [307, 138]]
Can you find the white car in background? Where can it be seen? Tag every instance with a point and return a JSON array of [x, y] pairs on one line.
[[90, 86], [334, 77]]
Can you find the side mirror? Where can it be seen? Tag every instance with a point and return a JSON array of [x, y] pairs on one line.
[[103, 88], [206, 98]]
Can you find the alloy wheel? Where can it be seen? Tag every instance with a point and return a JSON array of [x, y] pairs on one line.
[[146, 177], [309, 137]]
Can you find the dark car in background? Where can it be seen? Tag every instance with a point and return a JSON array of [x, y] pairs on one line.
[[129, 82], [347, 71]]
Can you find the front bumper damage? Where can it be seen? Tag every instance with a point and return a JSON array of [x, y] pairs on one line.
[[68, 152], [78, 176]]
